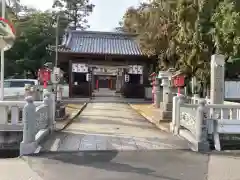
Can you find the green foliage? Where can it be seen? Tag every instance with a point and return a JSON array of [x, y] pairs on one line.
[[34, 34], [36, 30], [75, 11], [226, 32], [184, 34], [156, 25]]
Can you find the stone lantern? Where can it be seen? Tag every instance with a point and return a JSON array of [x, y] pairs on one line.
[[167, 95]]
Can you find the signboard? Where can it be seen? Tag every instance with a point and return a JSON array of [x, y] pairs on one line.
[[135, 69], [7, 35], [79, 68]]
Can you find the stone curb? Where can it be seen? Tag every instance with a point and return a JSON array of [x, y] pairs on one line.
[[151, 120], [68, 122]]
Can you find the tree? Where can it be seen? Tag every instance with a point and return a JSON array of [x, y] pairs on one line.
[[155, 23], [34, 33], [183, 34], [76, 12], [226, 32], [176, 32]]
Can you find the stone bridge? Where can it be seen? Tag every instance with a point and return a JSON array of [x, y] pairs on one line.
[[110, 139]]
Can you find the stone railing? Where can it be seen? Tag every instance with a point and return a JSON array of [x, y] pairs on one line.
[[38, 121], [188, 122], [11, 115], [196, 99], [195, 122]]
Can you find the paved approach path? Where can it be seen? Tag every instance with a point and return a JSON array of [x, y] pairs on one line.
[[112, 126]]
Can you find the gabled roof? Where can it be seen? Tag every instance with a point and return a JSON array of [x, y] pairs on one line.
[[95, 42]]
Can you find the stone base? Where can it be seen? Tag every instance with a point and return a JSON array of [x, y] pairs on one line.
[[200, 146], [166, 106], [192, 142], [165, 115], [27, 148]]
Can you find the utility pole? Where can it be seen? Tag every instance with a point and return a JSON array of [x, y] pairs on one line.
[[57, 34], [56, 55], [2, 55]]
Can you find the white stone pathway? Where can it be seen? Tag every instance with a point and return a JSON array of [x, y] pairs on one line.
[[112, 126]]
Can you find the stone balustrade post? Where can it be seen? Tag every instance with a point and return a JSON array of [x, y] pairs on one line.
[[29, 127], [174, 113], [201, 128], [181, 100], [29, 123], [48, 100]]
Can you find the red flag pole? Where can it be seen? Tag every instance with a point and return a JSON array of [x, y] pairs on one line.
[[45, 84]]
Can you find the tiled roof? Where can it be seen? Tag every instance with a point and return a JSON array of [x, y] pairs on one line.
[[109, 43]]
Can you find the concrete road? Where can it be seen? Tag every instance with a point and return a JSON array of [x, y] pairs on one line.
[[134, 165], [124, 165], [17, 169]]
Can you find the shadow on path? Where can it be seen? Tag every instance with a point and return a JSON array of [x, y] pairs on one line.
[[151, 165]]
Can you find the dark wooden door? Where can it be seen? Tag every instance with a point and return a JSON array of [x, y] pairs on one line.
[[103, 83]]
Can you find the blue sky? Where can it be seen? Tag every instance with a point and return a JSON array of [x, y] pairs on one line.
[[105, 17]]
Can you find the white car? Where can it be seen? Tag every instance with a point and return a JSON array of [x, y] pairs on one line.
[[16, 87], [13, 87]]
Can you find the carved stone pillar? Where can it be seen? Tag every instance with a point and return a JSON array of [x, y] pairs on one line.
[[167, 96], [217, 93]]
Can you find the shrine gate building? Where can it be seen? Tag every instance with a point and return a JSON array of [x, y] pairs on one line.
[[108, 57]]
